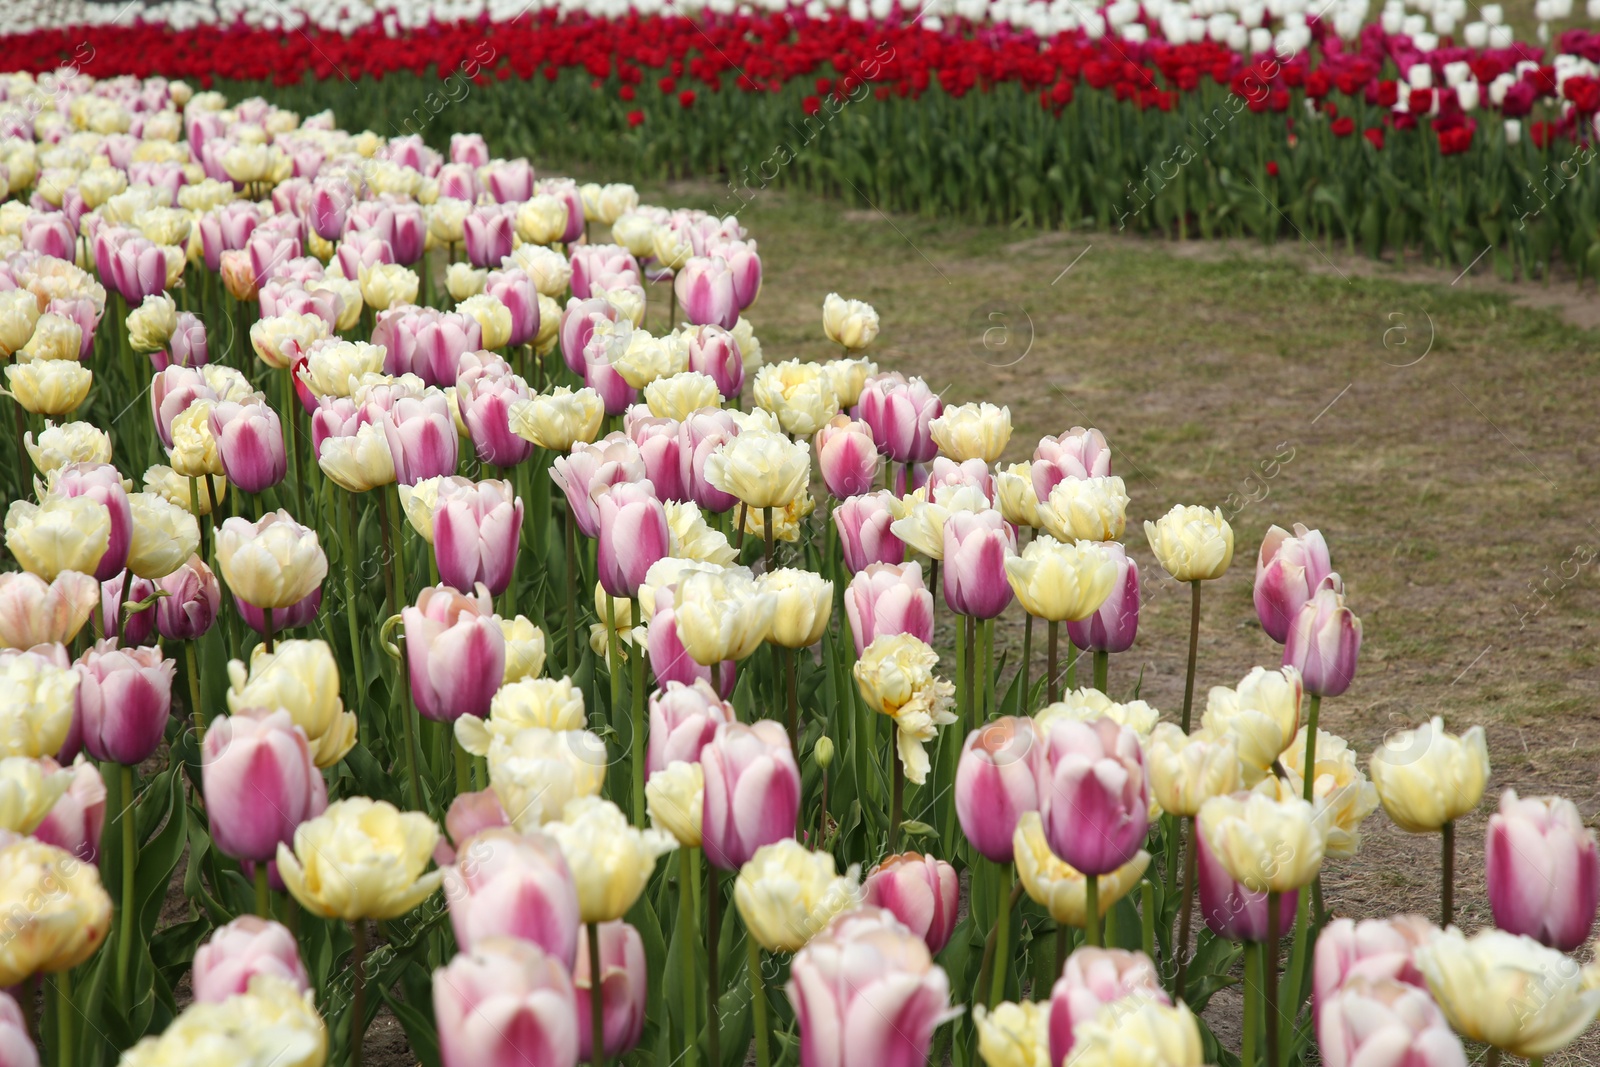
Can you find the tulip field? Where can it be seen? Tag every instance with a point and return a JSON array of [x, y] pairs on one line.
[[467, 541]]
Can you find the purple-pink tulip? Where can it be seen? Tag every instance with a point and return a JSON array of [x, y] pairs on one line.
[[455, 651], [847, 457], [188, 348], [683, 720], [363, 248], [1093, 794], [49, 234], [236, 953], [866, 993], [590, 468], [1543, 870], [487, 233], [1092, 978], [865, 537], [329, 209], [271, 251], [16, 1034], [1229, 909], [509, 181], [514, 288], [1372, 949], [124, 698], [409, 233], [486, 390], [259, 782], [752, 791], [506, 884], [505, 1004], [923, 893], [900, 412], [704, 287], [134, 627], [476, 535], [78, 816], [997, 782], [714, 352], [296, 615], [422, 438], [624, 989], [945, 472], [633, 535], [671, 663], [701, 434], [745, 265], [660, 444], [192, 601], [613, 389], [458, 181], [976, 546], [250, 444], [470, 814], [1324, 641], [884, 598], [86, 313], [577, 326], [1384, 1023], [227, 228], [1078, 453], [1115, 623], [1289, 571], [102, 483], [601, 267]]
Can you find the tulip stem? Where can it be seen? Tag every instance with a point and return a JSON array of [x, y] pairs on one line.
[[933, 579], [614, 660], [130, 864], [397, 561], [1447, 890], [388, 552], [1309, 768], [191, 667], [347, 539], [263, 892], [1147, 918], [897, 792], [1052, 680], [686, 940], [758, 999], [1186, 910], [61, 986], [1072, 666], [1194, 650], [792, 691], [1091, 909], [767, 535], [987, 701], [1270, 982], [570, 527], [1027, 660], [1492, 1059], [1002, 938], [990, 948], [597, 1010], [970, 639], [1252, 1004], [738, 532], [636, 662], [266, 624], [289, 434], [358, 989], [713, 942], [1102, 668]]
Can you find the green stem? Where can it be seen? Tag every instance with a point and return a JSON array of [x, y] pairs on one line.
[[358, 990], [1091, 909], [266, 624], [1194, 649], [1072, 666], [758, 999], [263, 892], [1102, 667], [687, 939], [191, 668], [1052, 679], [792, 693], [388, 554], [636, 662], [1181, 949], [1447, 889], [614, 647], [1252, 1004], [408, 730], [985, 968], [597, 1013], [988, 668], [1147, 917], [963, 683], [1310, 766], [397, 562], [1027, 661], [61, 991], [1270, 980], [1002, 939], [463, 768], [570, 528], [897, 793], [1299, 948], [767, 536], [347, 545], [713, 979], [130, 866]]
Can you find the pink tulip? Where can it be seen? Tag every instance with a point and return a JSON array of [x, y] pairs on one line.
[[1288, 572], [270, 251], [475, 536], [1115, 624], [1543, 870], [124, 698], [1094, 796], [330, 208], [456, 652], [866, 993], [714, 352], [49, 234], [515, 289], [422, 438], [292, 617], [577, 325], [591, 467], [488, 234], [250, 444], [430, 344], [86, 314], [624, 989], [1324, 641], [633, 535], [506, 884], [470, 814], [745, 265], [944, 471], [997, 782], [1091, 979], [509, 181], [1384, 1023], [78, 817], [598, 374], [469, 149], [410, 233], [704, 287], [864, 536], [485, 397], [133, 627], [601, 267], [259, 782], [752, 791], [285, 297], [172, 390], [411, 152], [922, 892], [1078, 453], [701, 434], [1229, 909], [847, 457], [1372, 949], [102, 483], [236, 953], [188, 345], [36, 612], [457, 181], [661, 448], [505, 1004], [887, 599], [191, 604], [227, 229], [976, 546], [683, 720], [363, 248], [670, 662], [900, 412], [16, 1046]]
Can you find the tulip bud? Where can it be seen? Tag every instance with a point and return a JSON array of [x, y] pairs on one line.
[[237, 953], [1095, 798], [865, 536], [922, 892], [1543, 871], [1115, 623], [1426, 777], [476, 536], [847, 457], [1092, 979], [455, 651], [191, 603], [996, 783], [752, 791], [633, 535], [1324, 641], [124, 699], [1289, 570], [76, 820], [624, 989], [250, 444], [505, 1003], [885, 599], [506, 884], [976, 547], [259, 781], [822, 751]]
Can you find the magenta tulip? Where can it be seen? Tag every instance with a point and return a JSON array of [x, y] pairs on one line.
[[945, 472], [505, 1004], [124, 698], [16, 1034], [250, 444], [469, 148], [661, 447], [456, 652], [589, 469], [485, 398], [410, 233], [671, 663], [506, 884], [1384, 1023], [296, 615], [865, 537], [236, 953], [866, 993], [601, 267], [633, 535], [701, 434], [624, 988], [227, 229], [704, 287], [1289, 571], [330, 208], [1372, 949], [516, 290], [577, 326], [1324, 641], [1091, 979], [752, 791], [683, 720], [997, 782], [509, 181], [102, 483], [127, 626], [78, 816], [49, 234], [888, 599], [259, 782], [1229, 909], [1543, 870], [270, 252], [976, 546], [488, 234], [847, 457], [470, 814], [476, 535], [363, 249], [598, 374], [1078, 453], [188, 348], [900, 412], [745, 264], [1115, 623], [1094, 796], [923, 893], [422, 438], [191, 604], [714, 352]]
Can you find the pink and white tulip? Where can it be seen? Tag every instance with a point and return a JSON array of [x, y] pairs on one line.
[[1115, 624], [887, 599], [865, 536], [505, 1004], [506, 884], [624, 989], [1543, 870], [259, 782], [124, 698], [1324, 641], [1093, 794], [847, 457], [476, 536], [455, 652], [752, 791], [236, 953], [976, 546], [1289, 571], [923, 893], [997, 782]]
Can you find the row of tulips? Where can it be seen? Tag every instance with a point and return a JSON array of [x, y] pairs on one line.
[[1384, 136], [393, 791]]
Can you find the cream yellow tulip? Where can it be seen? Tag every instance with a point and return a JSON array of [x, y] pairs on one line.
[[675, 797], [559, 419], [361, 859], [1427, 777], [1266, 844], [1056, 884], [57, 912], [787, 894], [1061, 582], [1191, 543], [62, 534], [611, 861]]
